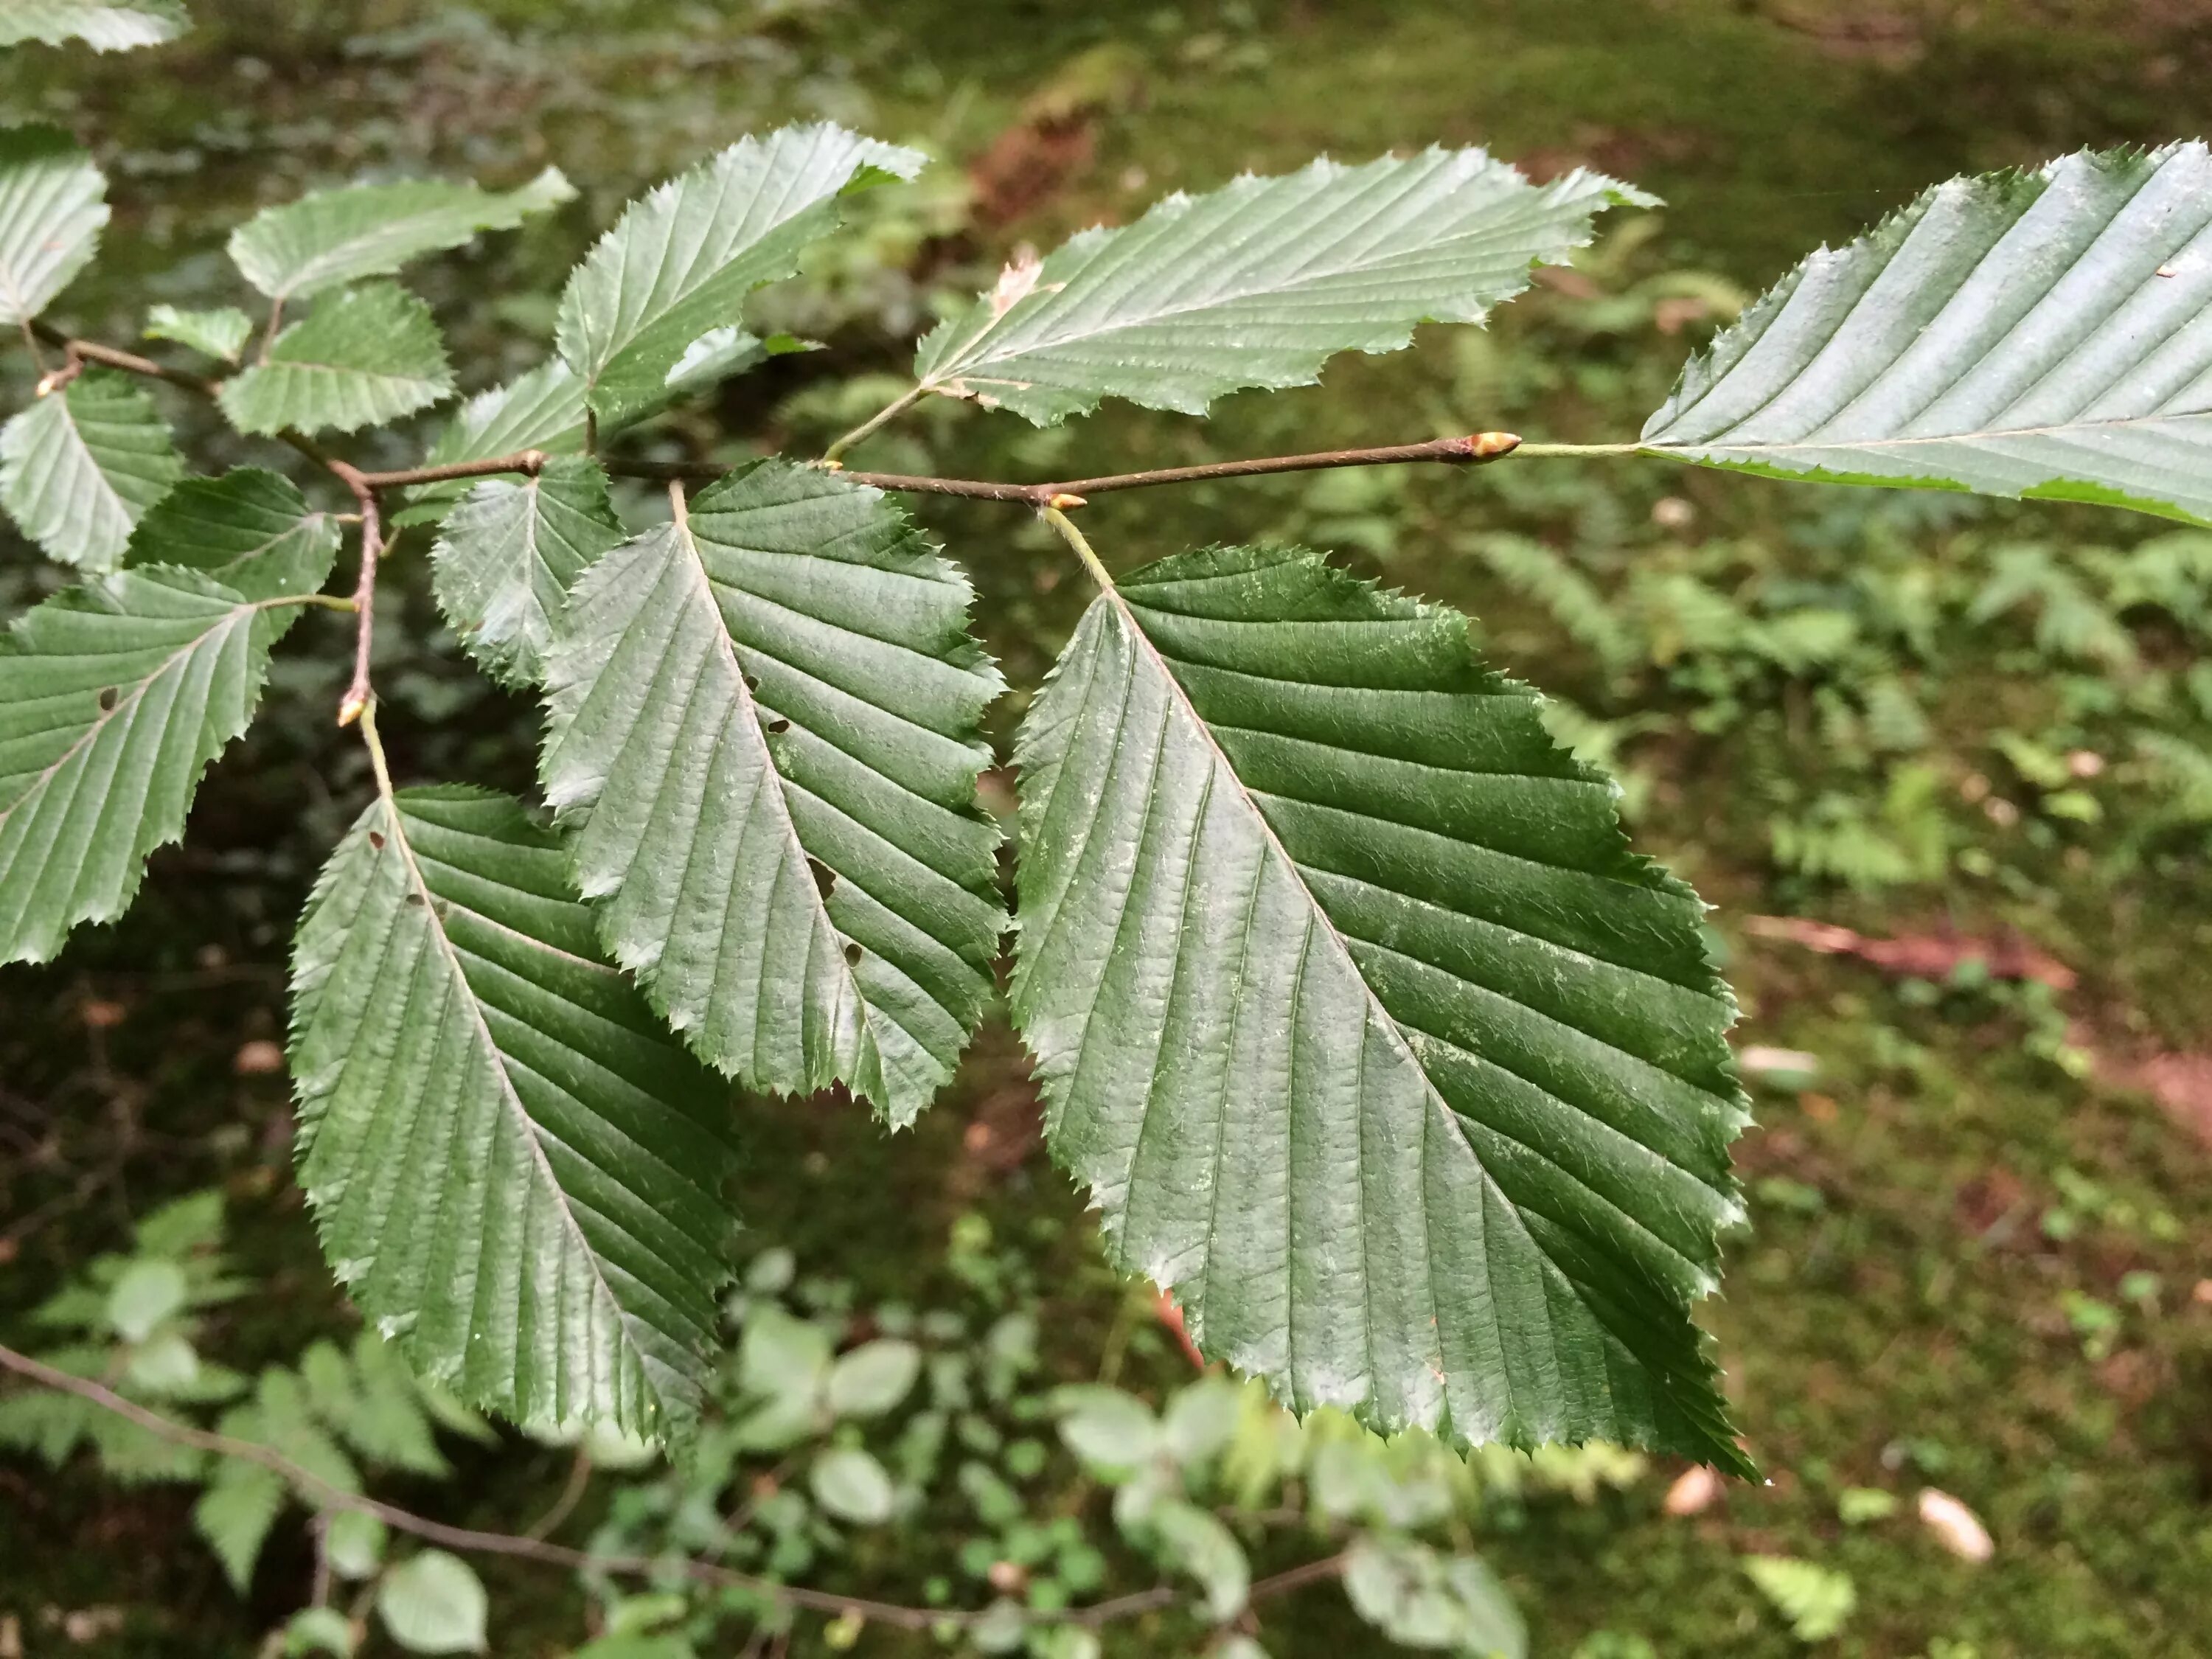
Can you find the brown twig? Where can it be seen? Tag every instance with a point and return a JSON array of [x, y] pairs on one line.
[[1470, 450], [364, 592], [470, 1541], [530, 462], [78, 353]]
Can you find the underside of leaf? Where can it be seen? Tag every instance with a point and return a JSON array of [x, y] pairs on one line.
[[515, 1172], [764, 740], [1259, 283], [1372, 1039], [2022, 334], [103, 25]]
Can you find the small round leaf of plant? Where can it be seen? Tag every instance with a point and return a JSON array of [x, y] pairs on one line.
[[873, 1377], [433, 1602], [852, 1486]]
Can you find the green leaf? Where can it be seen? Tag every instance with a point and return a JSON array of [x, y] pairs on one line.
[[873, 1378], [353, 1543], [434, 1602], [114, 698], [250, 530], [103, 25], [684, 257], [334, 237], [318, 1629], [781, 1356], [2030, 335], [146, 1293], [1817, 1601], [1419, 1598], [80, 466], [364, 355], [543, 410], [53, 202], [1259, 283], [810, 895], [220, 333], [1191, 1540], [503, 567], [1352, 1008], [515, 1173], [852, 1486], [235, 1514]]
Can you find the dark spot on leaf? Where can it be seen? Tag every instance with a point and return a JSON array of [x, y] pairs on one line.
[[376, 839], [824, 878], [752, 682], [779, 726], [853, 955], [109, 696], [414, 898]]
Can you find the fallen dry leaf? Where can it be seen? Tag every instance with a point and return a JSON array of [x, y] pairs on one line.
[[259, 1058], [1920, 956], [1956, 1528]]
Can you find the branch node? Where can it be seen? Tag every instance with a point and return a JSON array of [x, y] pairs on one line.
[[1489, 446]]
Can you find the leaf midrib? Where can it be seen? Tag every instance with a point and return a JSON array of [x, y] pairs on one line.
[[508, 1093], [1980, 435], [1397, 1036]]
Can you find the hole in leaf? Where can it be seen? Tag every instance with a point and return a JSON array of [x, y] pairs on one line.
[[752, 682], [109, 696], [414, 898], [779, 726], [825, 879], [376, 839], [852, 955]]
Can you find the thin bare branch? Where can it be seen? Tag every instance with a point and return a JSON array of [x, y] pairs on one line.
[[364, 592]]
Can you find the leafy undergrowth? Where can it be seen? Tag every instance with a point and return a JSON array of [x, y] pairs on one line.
[[1976, 1260]]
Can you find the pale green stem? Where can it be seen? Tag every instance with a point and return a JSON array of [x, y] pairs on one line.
[[875, 423], [1583, 449], [375, 749], [1066, 526]]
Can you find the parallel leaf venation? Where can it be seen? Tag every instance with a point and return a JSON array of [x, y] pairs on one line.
[[2039, 334], [1394, 1146], [764, 740], [515, 1171]]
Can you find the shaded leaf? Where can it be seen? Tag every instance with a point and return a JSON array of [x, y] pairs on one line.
[[364, 355], [114, 698], [1817, 1601], [80, 466], [53, 202], [515, 1173], [334, 237], [873, 1378], [763, 739], [1420, 1598], [1353, 1010], [543, 410], [250, 530], [2033, 335], [682, 258], [235, 1514], [103, 25], [508, 555], [1259, 283], [220, 333]]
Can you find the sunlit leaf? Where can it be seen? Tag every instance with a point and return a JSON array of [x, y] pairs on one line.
[[434, 1602], [1257, 283], [80, 466], [2024, 334], [1353, 1010], [364, 355], [338, 236], [764, 744], [515, 1172]]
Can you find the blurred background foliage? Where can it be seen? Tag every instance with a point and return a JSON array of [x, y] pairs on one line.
[[1943, 766]]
